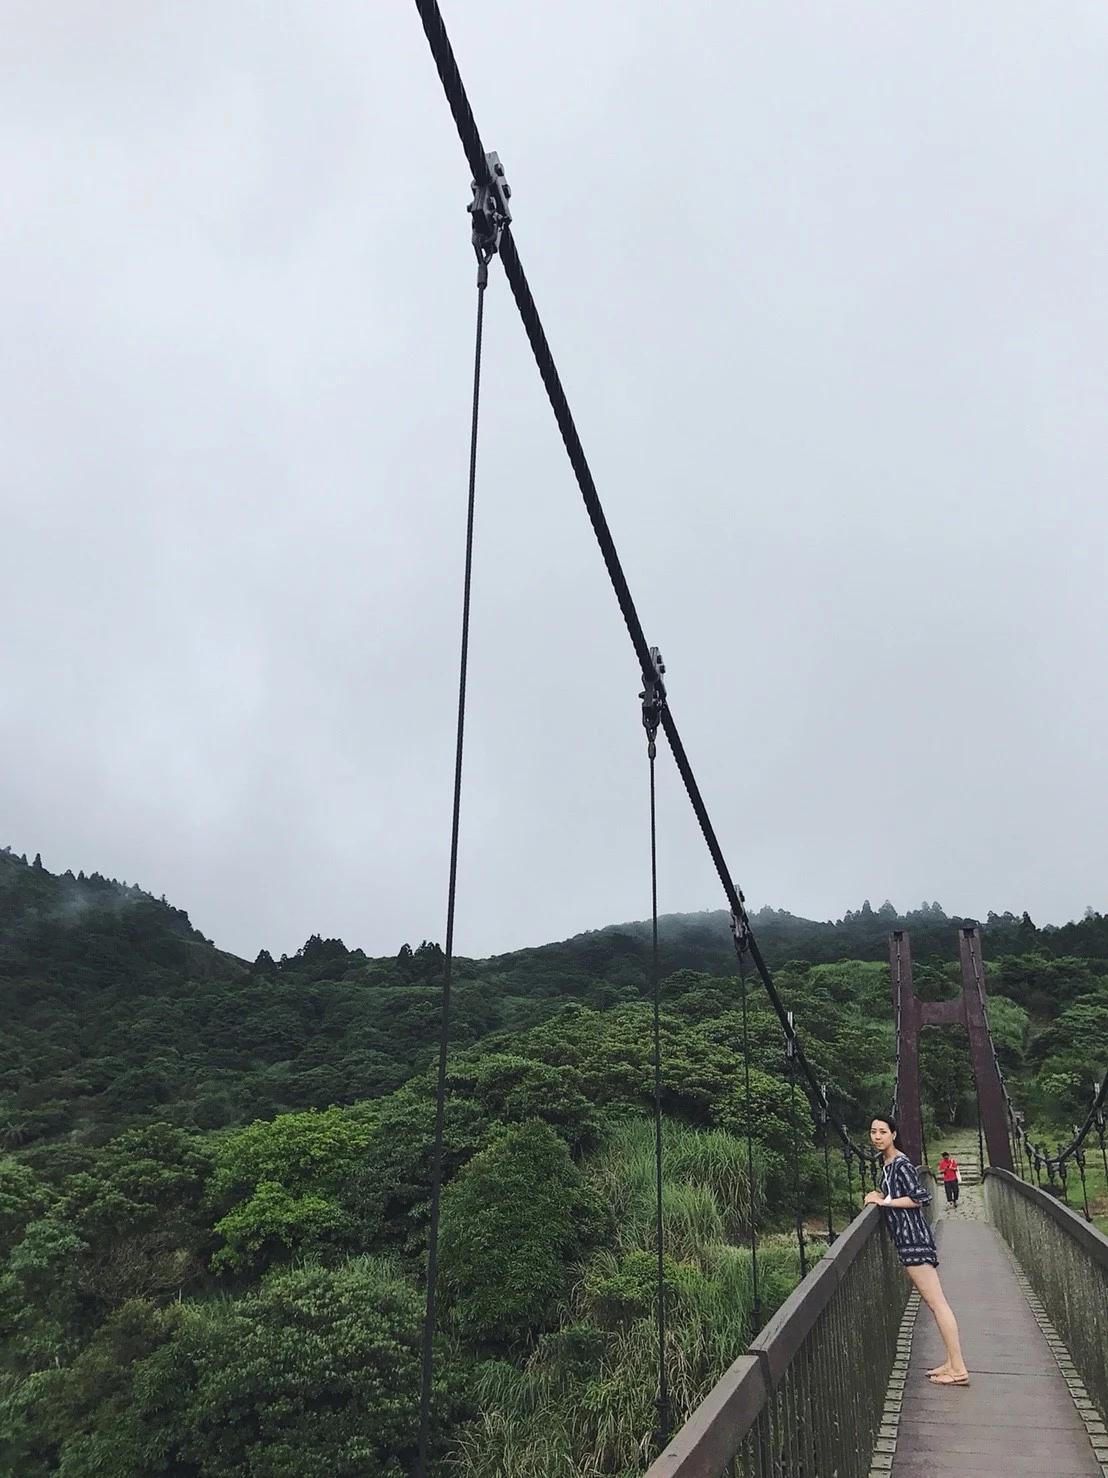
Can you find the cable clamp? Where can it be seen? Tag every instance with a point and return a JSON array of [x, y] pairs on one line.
[[740, 929], [489, 209], [653, 698]]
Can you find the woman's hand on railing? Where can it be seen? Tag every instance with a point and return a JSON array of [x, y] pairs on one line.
[[874, 1198]]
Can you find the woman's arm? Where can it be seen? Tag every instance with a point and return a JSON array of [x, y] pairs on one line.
[[875, 1198]]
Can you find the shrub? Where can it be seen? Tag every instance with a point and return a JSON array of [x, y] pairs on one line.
[[515, 1222]]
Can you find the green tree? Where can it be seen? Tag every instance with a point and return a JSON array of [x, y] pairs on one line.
[[22, 1198], [283, 1185], [41, 1305], [946, 1077], [515, 1222], [318, 1371], [1011, 1031]]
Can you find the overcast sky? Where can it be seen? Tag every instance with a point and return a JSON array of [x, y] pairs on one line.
[[827, 288]]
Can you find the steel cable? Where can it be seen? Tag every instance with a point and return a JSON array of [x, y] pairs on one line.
[[446, 63], [795, 1136], [752, 1229], [444, 1030], [663, 1385]]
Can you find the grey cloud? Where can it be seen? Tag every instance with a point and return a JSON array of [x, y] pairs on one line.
[[826, 289]]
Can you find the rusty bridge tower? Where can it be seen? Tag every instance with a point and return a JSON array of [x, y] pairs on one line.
[[968, 1010]]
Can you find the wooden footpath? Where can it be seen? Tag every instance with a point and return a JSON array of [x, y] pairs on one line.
[[1017, 1416]]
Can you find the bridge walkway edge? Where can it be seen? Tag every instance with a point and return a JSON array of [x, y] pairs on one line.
[[1017, 1416]]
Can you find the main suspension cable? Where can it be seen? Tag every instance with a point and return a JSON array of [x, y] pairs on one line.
[[444, 1029], [484, 178]]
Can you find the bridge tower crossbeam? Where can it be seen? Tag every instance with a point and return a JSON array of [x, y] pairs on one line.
[[968, 1010]]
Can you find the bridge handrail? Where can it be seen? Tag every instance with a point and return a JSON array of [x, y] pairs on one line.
[[739, 1408], [1067, 1267], [1095, 1243]]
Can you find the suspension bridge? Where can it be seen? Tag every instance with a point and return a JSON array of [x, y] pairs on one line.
[[835, 1384]]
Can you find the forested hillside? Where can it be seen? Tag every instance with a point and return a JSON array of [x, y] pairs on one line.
[[213, 1202]]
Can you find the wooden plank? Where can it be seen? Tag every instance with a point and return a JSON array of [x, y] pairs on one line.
[[1017, 1416]]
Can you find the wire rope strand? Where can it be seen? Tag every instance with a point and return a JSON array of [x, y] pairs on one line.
[[451, 77], [663, 1384], [444, 1030]]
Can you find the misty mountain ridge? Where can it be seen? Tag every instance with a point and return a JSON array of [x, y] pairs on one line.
[[115, 1011], [30, 895]]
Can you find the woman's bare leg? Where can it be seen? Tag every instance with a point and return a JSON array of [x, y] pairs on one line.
[[926, 1279]]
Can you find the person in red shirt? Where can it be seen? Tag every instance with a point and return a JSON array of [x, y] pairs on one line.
[[948, 1169]]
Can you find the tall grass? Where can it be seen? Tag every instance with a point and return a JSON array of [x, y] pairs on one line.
[[583, 1403], [707, 1163]]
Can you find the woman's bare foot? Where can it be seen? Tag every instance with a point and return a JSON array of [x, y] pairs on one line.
[[951, 1378], [943, 1369]]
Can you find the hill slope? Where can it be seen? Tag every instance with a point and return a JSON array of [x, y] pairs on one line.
[[114, 1010]]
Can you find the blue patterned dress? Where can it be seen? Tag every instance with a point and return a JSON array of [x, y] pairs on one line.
[[907, 1225]]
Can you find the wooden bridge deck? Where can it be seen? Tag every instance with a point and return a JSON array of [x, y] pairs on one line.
[[1017, 1417]]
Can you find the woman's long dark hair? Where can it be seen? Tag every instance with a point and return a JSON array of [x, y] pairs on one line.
[[888, 1119]]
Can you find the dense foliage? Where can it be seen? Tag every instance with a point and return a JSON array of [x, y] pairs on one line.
[[214, 1175]]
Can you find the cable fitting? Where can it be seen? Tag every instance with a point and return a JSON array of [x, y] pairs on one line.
[[740, 931], [489, 210], [653, 698]]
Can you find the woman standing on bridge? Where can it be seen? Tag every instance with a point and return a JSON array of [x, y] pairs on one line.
[[901, 1205]]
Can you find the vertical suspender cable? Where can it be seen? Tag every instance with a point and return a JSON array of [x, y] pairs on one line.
[[1079, 1160], [444, 1030], [980, 1138], [799, 1210], [823, 1116], [848, 1156], [748, 1111], [663, 1385]]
